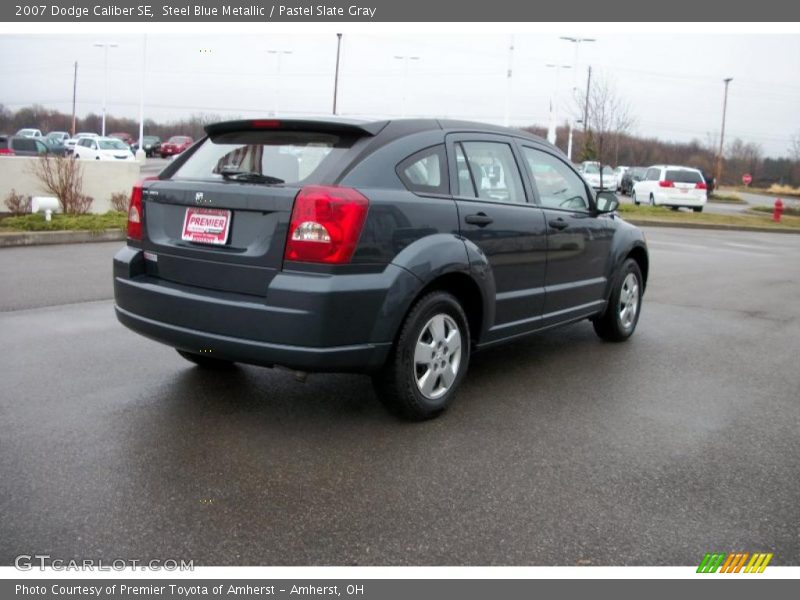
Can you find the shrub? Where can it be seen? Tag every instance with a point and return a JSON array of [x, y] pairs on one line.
[[62, 176], [18, 204], [119, 202]]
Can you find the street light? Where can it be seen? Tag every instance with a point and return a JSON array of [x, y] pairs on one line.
[[578, 41], [276, 91], [405, 60], [336, 74], [105, 46], [551, 130], [718, 174]]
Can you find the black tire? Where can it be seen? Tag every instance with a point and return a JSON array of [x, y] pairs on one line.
[[633, 197], [206, 362], [652, 200], [396, 384], [697, 208], [610, 325]]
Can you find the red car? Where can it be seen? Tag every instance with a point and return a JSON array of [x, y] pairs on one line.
[[175, 145], [125, 137]]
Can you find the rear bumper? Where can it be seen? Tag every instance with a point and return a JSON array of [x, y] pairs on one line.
[[307, 322], [664, 199]]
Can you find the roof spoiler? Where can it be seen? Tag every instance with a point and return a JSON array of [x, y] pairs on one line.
[[343, 126]]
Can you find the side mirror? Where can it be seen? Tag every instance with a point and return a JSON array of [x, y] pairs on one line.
[[607, 202]]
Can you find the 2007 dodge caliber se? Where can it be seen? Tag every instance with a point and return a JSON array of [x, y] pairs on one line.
[[395, 248]]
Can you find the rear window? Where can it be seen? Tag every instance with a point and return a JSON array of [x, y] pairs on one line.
[[684, 176], [178, 139], [292, 156]]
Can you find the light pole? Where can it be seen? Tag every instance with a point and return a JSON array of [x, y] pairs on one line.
[[507, 116], [578, 41], [551, 130], [405, 60], [718, 174], [276, 91], [105, 46], [336, 74], [141, 154]]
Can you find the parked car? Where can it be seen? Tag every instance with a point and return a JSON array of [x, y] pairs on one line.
[[674, 186], [175, 145], [32, 133], [605, 181], [125, 137], [16, 145], [619, 173], [70, 143], [386, 253], [631, 176], [102, 148], [151, 143], [57, 137]]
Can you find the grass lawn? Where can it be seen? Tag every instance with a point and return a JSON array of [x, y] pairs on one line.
[[660, 213], [91, 222], [726, 198]]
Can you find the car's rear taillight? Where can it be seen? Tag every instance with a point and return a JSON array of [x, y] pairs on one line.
[[135, 215], [325, 225], [6, 152], [666, 183], [701, 186]]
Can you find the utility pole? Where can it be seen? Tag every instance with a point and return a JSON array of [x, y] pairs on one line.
[[553, 124], [140, 152], [586, 103], [718, 174], [336, 76], [74, 91]]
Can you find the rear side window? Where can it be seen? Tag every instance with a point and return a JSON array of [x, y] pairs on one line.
[[292, 156], [424, 171], [25, 145], [684, 176]]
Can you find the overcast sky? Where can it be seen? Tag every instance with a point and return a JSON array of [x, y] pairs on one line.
[[673, 83]]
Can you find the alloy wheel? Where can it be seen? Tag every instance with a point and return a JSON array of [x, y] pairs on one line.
[[437, 356]]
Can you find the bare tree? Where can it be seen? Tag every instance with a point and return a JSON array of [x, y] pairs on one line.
[[794, 147], [63, 177], [609, 117]]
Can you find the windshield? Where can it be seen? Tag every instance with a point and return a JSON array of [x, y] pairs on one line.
[[608, 171], [684, 176], [288, 155], [591, 170], [111, 145]]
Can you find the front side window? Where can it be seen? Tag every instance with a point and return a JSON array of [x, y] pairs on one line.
[[557, 184], [493, 172], [425, 171]]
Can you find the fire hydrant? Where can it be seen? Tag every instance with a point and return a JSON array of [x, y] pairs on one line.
[[777, 211]]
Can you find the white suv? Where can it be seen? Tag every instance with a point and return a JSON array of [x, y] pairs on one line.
[[102, 148], [669, 185]]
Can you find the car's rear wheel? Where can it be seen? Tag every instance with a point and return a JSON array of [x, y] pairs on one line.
[[652, 200], [619, 320], [206, 362], [428, 361], [697, 208], [633, 197]]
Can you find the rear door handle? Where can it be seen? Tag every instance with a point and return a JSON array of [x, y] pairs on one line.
[[479, 219], [558, 223]]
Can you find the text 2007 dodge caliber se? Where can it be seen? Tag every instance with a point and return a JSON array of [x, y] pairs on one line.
[[395, 248]]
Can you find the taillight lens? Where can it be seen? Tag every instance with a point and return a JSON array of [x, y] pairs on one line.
[[135, 215], [326, 224], [701, 186], [666, 183], [6, 152]]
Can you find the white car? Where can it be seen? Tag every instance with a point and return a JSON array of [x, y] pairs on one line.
[[592, 175], [102, 148], [673, 186], [29, 133], [70, 143]]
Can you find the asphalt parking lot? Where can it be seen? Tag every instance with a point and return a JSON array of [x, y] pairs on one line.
[[560, 449]]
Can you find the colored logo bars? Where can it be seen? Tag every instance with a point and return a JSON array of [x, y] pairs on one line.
[[734, 563]]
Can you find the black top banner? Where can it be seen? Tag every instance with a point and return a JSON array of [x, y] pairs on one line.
[[402, 10]]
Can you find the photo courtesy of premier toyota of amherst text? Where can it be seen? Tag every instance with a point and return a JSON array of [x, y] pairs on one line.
[[302, 286]]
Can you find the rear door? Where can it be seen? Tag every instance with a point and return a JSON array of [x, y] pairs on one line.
[[497, 215], [578, 242], [218, 218], [686, 184]]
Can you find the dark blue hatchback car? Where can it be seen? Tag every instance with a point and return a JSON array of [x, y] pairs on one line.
[[395, 248]]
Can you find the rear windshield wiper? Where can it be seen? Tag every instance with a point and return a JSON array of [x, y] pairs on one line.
[[235, 174]]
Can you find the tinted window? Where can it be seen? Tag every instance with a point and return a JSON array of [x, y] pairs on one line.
[[653, 174], [684, 176], [494, 171], [288, 155], [112, 145], [557, 184], [25, 145], [425, 171]]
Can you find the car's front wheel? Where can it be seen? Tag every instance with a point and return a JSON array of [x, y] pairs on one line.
[[633, 197], [697, 208], [205, 361], [428, 361], [619, 320]]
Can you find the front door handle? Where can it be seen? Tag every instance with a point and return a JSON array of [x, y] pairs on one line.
[[558, 223], [480, 219]]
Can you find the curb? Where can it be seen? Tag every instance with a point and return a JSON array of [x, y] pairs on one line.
[[717, 227], [41, 238]]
